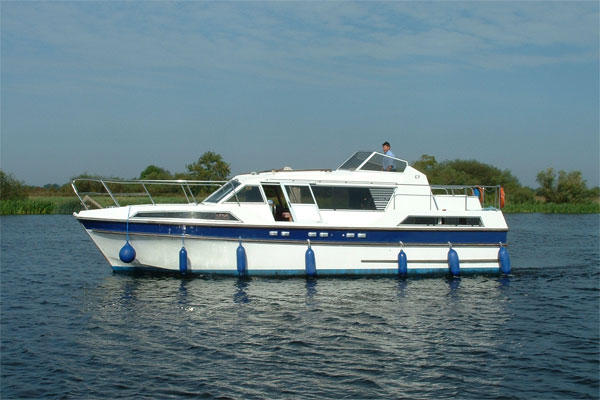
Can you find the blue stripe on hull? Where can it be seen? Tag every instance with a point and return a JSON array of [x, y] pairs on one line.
[[301, 234]]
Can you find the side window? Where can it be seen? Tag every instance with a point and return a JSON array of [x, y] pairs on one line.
[[247, 194], [352, 198], [299, 195], [343, 198]]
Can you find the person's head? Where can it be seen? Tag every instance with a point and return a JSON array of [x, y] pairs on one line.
[[386, 146]]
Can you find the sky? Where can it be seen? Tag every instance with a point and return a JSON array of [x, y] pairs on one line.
[[109, 88]]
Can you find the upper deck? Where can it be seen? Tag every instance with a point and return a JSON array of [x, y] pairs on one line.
[[366, 181], [363, 167]]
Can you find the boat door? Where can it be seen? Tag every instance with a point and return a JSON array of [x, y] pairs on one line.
[[302, 203], [278, 201]]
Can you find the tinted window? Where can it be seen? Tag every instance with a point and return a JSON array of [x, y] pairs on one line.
[[472, 221], [377, 162], [420, 221], [458, 221], [222, 191], [352, 198], [300, 194], [247, 194], [354, 162], [343, 198]]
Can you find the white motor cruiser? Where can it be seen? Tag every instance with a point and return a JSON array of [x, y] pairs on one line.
[[356, 220]]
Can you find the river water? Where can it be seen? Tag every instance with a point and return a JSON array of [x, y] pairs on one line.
[[71, 328]]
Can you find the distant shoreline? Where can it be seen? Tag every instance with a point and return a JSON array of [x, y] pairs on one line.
[[46, 205]]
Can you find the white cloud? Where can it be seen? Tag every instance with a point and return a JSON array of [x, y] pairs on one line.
[[305, 41]]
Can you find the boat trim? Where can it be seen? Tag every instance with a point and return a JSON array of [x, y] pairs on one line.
[[314, 240], [291, 226], [439, 261]]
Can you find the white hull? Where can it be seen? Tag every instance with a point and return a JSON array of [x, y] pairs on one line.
[[218, 256]]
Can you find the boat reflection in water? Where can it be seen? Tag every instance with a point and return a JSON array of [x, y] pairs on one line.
[[217, 310]]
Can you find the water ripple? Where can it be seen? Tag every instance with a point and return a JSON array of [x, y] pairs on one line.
[[72, 329]]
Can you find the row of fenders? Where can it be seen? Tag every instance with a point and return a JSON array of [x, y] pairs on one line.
[[454, 261], [127, 255], [311, 264]]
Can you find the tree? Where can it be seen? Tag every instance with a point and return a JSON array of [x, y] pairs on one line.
[[473, 172], [463, 172], [566, 188], [573, 185], [89, 184], [425, 164], [209, 167], [11, 188], [153, 172]]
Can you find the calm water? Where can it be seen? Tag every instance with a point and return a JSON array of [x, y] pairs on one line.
[[70, 328]]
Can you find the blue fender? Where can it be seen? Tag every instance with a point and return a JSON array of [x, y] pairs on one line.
[[310, 262], [242, 261], [127, 253], [402, 263], [504, 260], [183, 263], [453, 262]]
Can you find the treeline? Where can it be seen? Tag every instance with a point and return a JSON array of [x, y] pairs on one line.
[[209, 167], [555, 187], [17, 198], [558, 191]]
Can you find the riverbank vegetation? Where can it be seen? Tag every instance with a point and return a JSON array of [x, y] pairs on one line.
[[553, 208], [558, 192]]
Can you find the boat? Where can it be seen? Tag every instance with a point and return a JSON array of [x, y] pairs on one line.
[[355, 220]]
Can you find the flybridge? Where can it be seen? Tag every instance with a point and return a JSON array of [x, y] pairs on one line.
[[372, 161]]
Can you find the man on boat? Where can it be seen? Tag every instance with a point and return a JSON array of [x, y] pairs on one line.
[[388, 163]]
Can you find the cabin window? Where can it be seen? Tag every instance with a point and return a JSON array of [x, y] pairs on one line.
[[222, 192], [420, 221], [300, 195], [470, 221], [454, 221], [247, 194], [352, 198], [221, 216]]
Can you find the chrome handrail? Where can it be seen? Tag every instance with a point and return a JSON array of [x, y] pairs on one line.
[[465, 188], [185, 185], [451, 190]]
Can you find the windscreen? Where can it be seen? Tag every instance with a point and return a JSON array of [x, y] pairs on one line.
[[222, 192]]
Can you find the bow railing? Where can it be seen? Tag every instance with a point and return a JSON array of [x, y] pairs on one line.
[[94, 192]]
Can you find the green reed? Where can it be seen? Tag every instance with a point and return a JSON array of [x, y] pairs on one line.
[[551, 208], [19, 207], [40, 205]]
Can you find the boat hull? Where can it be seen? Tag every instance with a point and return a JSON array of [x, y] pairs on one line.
[[272, 251]]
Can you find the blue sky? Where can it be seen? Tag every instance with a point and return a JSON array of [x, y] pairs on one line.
[[109, 88]]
